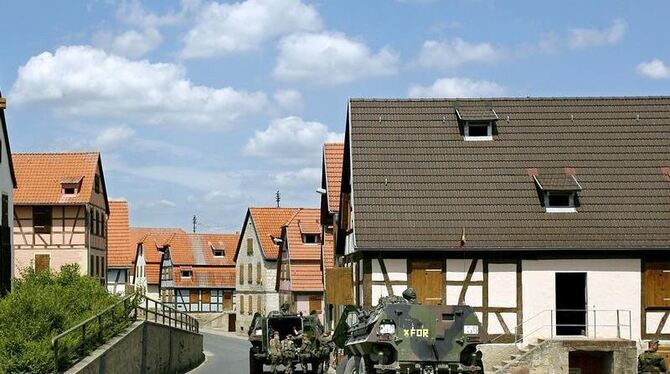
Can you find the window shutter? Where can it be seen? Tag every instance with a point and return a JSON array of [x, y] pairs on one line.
[[42, 262], [251, 304], [228, 300], [241, 304], [241, 275], [250, 269], [206, 297], [259, 304], [250, 246], [258, 273], [193, 297], [315, 304]]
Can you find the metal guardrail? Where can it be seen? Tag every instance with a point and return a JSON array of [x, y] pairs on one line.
[[78, 341], [590, 326]]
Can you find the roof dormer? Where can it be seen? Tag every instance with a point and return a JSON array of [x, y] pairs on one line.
[[559, 193], [477, 124], [71, 186]]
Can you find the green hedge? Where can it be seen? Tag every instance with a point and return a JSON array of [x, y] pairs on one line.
[[42, 306]]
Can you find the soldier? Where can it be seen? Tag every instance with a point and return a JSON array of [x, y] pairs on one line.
[[275, 351], [288, 353], [325, 348], [409, 295], [305, 352], [650, 361], [284, 308]]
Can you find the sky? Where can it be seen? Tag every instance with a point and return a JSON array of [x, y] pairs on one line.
[[208, 107]]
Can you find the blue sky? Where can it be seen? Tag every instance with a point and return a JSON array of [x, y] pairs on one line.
[[204, 107]]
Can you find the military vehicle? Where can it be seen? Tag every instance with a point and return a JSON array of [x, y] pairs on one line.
[[400, 336], [262, 329]]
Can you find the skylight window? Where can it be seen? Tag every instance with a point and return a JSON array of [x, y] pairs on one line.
[[478, 130]]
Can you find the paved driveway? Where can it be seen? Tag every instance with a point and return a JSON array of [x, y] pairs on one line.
[[224, 354]]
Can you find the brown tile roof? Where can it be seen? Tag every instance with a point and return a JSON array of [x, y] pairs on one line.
[[557, 182], [205, 277], [268, 223], [333, 153], [5, 135], [120, 250], [39, 177], [417, 184]]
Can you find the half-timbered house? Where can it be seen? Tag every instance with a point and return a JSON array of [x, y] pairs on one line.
[[256, 262], [120, 250], [299, 266], [7, 185], [198, 273], [60, 212], [548, 216], [148, 245]]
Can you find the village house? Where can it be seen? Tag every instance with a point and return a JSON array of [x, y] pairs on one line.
[[60, 212], [299, 266], [120, 250], [551, 217], [7, 185], [198, 276], [331, 176], [148, 245], [256, 262]]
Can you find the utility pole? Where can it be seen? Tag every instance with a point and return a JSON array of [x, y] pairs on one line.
[[277, 198], [195, 222]]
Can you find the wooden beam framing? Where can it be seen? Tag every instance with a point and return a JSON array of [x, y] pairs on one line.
[[466, 283], [367, 282], [661, 324], [502, 323], [385, 274]]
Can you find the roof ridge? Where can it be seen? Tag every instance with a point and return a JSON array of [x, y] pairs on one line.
[[57, 153], [503, 98]]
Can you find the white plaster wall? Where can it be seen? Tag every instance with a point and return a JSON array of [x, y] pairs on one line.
[[653, 320], [473, 296], [502, 285], [457, 270], [496, 328], [611, 284], [396, 269]]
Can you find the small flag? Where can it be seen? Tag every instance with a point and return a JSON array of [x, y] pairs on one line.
[[462, 238]]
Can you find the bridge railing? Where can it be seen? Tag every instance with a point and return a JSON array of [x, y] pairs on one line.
[[80, 340]]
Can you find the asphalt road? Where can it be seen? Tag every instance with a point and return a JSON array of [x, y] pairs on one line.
[[224, 355]]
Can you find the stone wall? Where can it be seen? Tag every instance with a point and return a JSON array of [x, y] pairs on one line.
[[145, 348]]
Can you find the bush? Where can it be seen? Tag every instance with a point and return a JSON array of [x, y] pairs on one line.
[[42, 306]]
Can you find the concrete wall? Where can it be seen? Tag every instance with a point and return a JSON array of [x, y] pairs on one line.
[[145, 347]]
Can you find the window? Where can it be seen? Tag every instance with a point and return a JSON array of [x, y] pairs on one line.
[[241, 304], [250, 246], [42, 219], [478, 131], [97, 265], [42, 262], [227, 300], [69, 191], [251, 305], [310, 238], [97, 183], [206, 297], [91, 265], [193, 297], [218, 253], [258, 273], [559, 202], [259, 308], [186, 273], [102, 266], [241, 274], [250, 269]]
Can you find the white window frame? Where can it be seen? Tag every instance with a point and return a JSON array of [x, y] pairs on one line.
[[563, 209], [317, 242], [466, 131], [219, 251], [190, 273]]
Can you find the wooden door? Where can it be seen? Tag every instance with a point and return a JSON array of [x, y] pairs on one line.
[[427, 279], [42, 262], [232, 320]]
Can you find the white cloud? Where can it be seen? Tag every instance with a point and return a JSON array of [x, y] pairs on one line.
[[457, 87], [112, 137], [330, 58], [291, 140], [440, 54], [301, 178], [222, 29], [133, 43], [289, 99], [84, 81], [166, 202], [655, 69], [589, 37], [133, 13]]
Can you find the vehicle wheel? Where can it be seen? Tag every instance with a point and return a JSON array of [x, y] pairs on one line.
[[255, 365], [353, 365]]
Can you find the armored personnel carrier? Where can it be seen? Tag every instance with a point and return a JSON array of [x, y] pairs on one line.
[[262, 329], [400, 336]]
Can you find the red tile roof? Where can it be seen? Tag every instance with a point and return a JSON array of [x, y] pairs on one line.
[[206, 277], [269, 223], [304, 259], [333, 154], [328, 249], [39, 177], [120, 250], [152, 239]]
